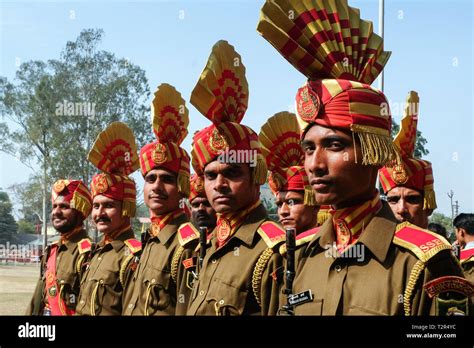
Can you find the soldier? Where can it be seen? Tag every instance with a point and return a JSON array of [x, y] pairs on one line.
[[409, 184], [360, 261], [114, 204], [165, 169], [190, 243], [202, 214], [240, 272], [288, 181], [62, 264], [464, 225]]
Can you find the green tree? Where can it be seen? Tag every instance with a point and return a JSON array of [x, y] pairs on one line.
[[55, 109], [8, 226], [29, 197], [26, 227]]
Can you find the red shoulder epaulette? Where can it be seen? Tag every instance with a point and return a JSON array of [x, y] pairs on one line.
[[302, 238], [423, 243], [84, 245], [134, 245], [467, 255], [186, 233], [271, 233]]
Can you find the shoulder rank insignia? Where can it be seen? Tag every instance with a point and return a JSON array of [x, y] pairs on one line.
[[134, 245], [423, 243], [186, 233], [467, 255], [271, 233], [451, 295], [301, 239], [84, 245]]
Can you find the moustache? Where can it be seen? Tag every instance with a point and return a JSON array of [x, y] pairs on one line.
[[102, 219], [159, 196]]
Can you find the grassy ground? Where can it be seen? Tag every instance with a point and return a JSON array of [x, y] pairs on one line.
[[17, 283]]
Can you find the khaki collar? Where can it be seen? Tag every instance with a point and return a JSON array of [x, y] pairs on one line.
[[377, 236], [71, 243], [246, 231], [118, 242], [170, 229]]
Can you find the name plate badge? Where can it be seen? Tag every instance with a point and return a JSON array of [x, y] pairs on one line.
[[302, 297]]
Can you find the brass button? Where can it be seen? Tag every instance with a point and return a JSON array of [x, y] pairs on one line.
[[153, 281], [82, 302], [62, 281], [214, 261], [101, 281], [130, 305], [221, 302], [201, 292], [338, 268], [99, 258]]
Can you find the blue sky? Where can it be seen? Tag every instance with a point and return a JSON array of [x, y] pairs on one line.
[[431, 41]]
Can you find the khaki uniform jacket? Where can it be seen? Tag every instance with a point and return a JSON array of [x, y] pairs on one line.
[[188, 253], [375, 281], [69, 269], [153, 290], [108, 273], [227, 285]]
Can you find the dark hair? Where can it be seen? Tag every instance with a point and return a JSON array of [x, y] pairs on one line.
[[465, 221], [438, 228]]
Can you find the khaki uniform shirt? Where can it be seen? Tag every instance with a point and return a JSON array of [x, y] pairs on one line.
[[226, 285], [69, 269], [374, 278], [108, 273], [188, 266], [153, 290]]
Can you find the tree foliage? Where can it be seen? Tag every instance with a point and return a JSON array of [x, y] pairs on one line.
[[55, 109], [8, 226]]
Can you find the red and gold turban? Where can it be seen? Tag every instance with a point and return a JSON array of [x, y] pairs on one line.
[[280, 139], [197, 187], [411, 172], [341, 56], [170, 121], [115, 154], [221, 95], [75, 193]]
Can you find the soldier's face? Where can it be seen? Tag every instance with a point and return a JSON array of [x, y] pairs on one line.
[[202, 213], [161, 191], [229, 186], [407, 205], [63, 217], [107, 214], [332, 172], [293, 213]]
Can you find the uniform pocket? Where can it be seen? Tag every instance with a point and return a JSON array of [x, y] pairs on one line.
[[106, 292], [315, 307], [157, 284], [227, 299]]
